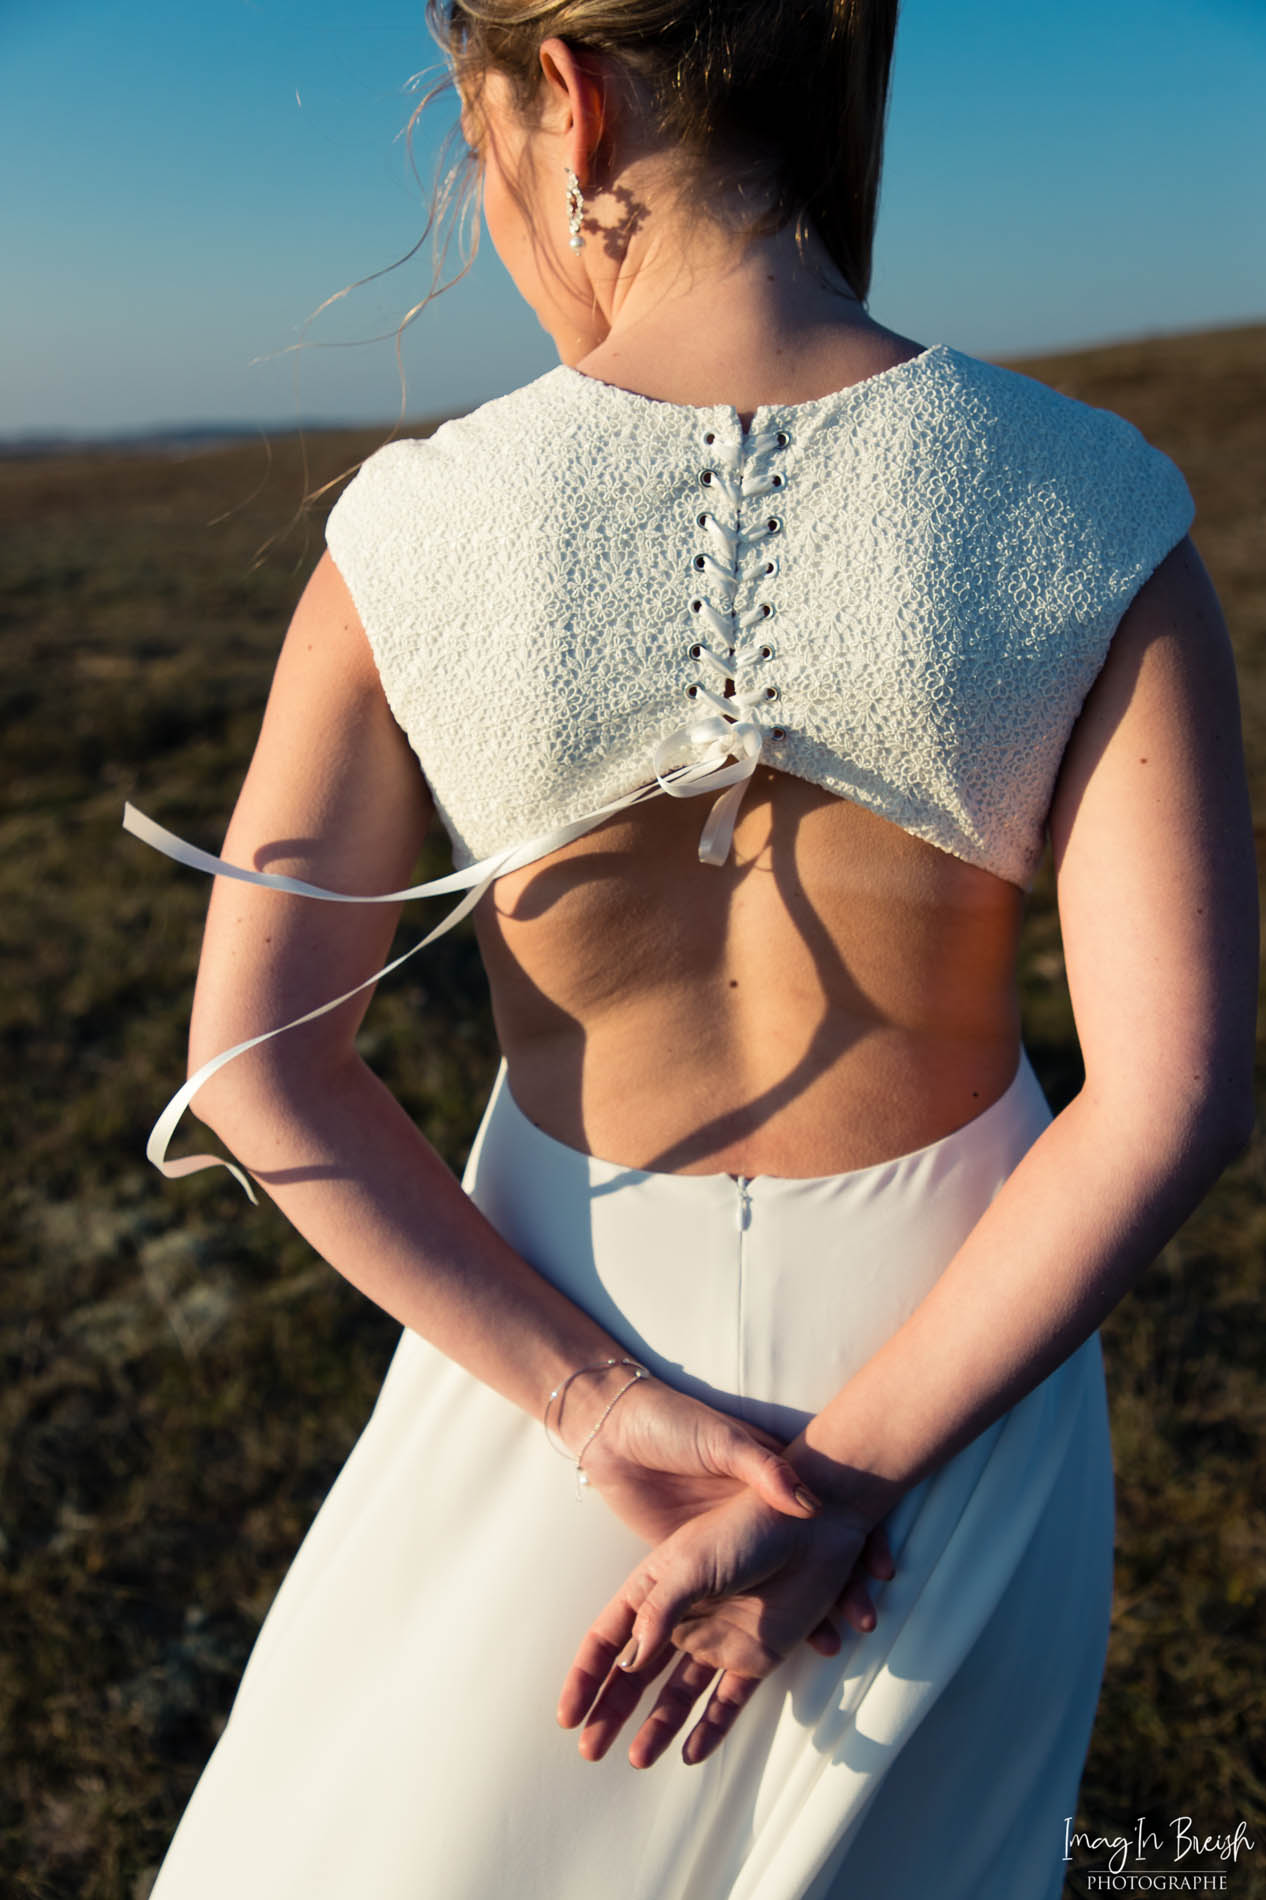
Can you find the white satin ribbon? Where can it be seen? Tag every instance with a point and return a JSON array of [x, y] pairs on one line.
[[714, 739]]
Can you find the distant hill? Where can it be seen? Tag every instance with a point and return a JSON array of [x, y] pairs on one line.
[[1113, 364]]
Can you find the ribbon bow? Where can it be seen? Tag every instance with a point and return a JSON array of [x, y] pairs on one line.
[[707, 744]]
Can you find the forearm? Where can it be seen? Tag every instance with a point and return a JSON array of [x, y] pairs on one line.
[[1087, 1209], [346, 1165]]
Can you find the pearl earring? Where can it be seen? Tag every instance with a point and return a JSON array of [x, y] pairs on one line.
[[575, 209]]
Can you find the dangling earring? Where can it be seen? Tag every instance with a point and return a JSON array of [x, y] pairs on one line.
[[575, 209]]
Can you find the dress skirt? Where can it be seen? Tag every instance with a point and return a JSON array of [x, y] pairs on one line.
[[393, 1736]]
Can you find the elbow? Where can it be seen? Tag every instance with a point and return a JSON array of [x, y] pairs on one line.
[[263, 1087], [1218, 1128], [1227, 1104], [1198, 1127], [230, 1098]]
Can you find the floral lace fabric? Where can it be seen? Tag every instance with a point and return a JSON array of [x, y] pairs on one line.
[[557, 584]]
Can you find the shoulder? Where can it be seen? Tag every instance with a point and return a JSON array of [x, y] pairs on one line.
[[501, 419], [1038, 435], [473, 466], [1075, 498]]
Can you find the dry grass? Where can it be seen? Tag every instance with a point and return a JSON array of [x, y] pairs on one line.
[[183, 1382]]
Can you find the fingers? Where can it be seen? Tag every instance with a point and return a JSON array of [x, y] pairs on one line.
[[877, 1555], [585, 1678], [854, 1601], [825, 1639], [855, 1606], [774, 1481], [673, 1708], [731, 1695], [621, 1653], [605, 1638], [632, 1634], [616, 1701], [691, 1603]]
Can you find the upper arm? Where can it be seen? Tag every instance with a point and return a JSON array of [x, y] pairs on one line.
[[334, 795], [1155, 866]]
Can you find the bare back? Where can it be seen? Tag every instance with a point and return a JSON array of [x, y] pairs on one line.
[[837, 993]]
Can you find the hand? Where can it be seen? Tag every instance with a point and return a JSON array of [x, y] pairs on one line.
[[661, 1458], [735, 1590]]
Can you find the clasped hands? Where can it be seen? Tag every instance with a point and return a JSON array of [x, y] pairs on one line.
[[746, 1564]]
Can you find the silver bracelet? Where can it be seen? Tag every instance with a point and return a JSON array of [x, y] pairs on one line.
[[582, 1477], [560, 1392]]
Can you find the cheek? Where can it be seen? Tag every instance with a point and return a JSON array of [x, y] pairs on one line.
[[501, 212], [512, 238], [502, 217]]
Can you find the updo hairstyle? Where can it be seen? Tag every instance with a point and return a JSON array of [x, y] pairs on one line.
[[791, 94]]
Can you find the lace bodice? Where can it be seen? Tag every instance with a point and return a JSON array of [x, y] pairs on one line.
[[901, 592], [579, 598]]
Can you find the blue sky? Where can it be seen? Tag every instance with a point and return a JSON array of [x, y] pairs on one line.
[[186, 182]]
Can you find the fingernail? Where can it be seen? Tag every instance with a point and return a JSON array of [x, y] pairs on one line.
[[627, 1658], [806, 1498]]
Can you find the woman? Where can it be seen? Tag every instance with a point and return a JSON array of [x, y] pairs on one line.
[[767, 1220]]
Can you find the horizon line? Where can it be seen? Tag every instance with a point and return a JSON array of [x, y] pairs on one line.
[[175, 436]]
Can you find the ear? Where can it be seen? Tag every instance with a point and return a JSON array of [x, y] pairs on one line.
[[573, 102]]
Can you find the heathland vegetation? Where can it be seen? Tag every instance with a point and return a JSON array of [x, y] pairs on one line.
[[182, 1377]]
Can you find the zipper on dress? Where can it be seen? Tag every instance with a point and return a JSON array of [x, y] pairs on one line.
[[744, 1202]]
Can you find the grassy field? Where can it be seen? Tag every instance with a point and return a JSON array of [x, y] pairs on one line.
[[183, 1379]]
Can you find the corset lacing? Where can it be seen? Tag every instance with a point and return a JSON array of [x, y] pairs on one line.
[[689, 761], [736, 558]]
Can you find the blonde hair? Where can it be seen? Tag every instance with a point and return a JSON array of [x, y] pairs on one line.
[[792, 94], [794, 90]]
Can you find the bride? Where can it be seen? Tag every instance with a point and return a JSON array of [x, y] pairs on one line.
[[748, 657]]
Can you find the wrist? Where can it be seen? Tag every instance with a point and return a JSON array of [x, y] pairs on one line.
[[577, 1413], [843, 1485]]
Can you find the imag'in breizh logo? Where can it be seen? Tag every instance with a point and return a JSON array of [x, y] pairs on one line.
[[1177, 1858]]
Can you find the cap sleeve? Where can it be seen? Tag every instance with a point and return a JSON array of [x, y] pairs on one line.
[[372, 537], [1141, 509], [1118, 505], [1071, 509]]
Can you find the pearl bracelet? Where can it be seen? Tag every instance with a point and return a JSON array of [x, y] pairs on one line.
[[560, 1392]]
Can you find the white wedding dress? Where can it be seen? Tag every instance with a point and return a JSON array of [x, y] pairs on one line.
[[394, 1735], [545, 584]]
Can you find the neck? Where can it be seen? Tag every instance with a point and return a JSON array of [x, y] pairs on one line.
[[698, 310]]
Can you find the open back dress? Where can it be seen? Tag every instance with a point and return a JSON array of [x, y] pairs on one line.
[[578, 598]]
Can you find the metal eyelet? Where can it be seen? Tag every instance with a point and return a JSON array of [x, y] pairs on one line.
[[692, 692], [771, 692], [766, 610], [695, 652], [706, 477], [696, 606], [782, 438], [767, 652], [701, 561], [778, 732], [709, 438], [701, 521], [778, 481], [773, 524]]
